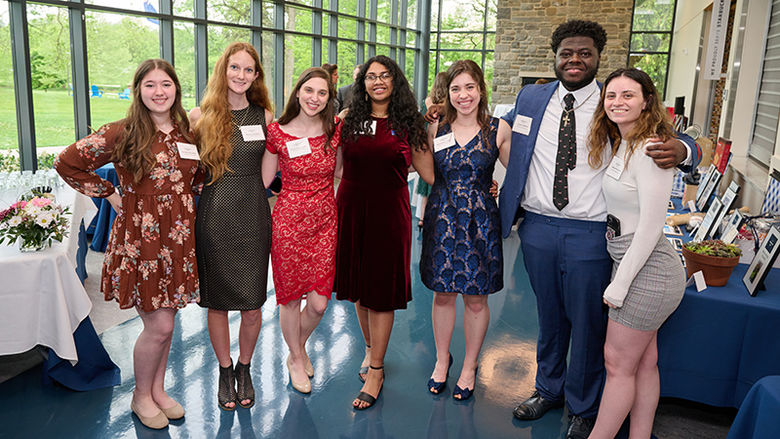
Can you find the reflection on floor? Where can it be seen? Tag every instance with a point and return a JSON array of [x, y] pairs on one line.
[[405, 409]]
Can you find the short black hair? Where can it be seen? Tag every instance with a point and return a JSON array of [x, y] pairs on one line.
[[579, 28]]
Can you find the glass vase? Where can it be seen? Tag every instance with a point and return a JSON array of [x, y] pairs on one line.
[[27, 246]]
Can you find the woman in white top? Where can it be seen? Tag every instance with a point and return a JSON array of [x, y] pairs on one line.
[[648, 280]]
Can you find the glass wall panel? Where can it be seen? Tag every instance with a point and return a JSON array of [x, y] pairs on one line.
[[383, 34], [383, 11], [462, 41], [653, 65], [297, 58], [653, 15], [411, 14], [51, 75], [349, 7], [229, 11], [184, 59], [268, 14], [492, 6], [298, 19], [219, 37], [268, 65], [116, 45], [409, 66], [348, 28], [183, 8], [346, 61], [135, 5], [460, 15], [8, 134], [655, 42]]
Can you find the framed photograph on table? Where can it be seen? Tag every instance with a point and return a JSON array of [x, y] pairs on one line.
[[703, 182], [707, 191], [709, 220], [762, 262], [728, 199], [731, 229], [672, 230]]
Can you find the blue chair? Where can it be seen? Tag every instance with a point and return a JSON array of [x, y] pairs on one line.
[[125, 94], [95, 92]]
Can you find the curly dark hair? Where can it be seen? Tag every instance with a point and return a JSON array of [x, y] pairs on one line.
[[579, 28], [402, 114]]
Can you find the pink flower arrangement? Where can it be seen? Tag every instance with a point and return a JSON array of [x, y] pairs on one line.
[[35, 222]]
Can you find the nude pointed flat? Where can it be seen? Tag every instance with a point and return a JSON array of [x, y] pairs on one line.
[[156, 422], [301, 386]]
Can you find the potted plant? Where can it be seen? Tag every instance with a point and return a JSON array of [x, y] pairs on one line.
[[713, 257]]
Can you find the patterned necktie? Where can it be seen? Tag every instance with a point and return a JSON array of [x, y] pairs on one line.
[[566, 159]]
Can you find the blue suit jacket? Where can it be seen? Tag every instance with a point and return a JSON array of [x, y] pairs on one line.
[[532, 102]]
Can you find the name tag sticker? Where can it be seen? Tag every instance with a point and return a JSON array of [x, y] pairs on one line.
[[443, 142], [615, 167], [252, 132], [188, 151], [297, 148], [522, 124]]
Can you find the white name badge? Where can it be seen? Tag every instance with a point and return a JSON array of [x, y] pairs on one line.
[[615, 167], [252, 132], [297, 148], [188, 151], [443, 142], [522, 124]]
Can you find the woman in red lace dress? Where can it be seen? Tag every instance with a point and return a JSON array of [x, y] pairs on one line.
[[150, 261], [304, 143]]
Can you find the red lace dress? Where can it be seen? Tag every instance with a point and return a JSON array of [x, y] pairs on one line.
[[303, 244], [150, 260]]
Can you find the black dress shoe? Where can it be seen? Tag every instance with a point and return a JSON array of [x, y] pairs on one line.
[[579, 427], [535, 407]]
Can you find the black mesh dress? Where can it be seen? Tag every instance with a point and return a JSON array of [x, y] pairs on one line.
[[233, 226]]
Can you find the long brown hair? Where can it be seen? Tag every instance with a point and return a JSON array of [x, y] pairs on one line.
[[215, 126], [653, 120], [472, 69], [293, 107], [439, 90], [134, 149]]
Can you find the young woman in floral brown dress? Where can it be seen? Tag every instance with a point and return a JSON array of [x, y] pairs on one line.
[[150, 261]]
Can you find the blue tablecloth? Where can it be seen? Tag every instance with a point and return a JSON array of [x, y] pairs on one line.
[[100, 227], [721, 341], [94, 370], [757, 417]]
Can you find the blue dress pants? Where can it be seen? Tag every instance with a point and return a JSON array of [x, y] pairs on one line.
[[569, 269]]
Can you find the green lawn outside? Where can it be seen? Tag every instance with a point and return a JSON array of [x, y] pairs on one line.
[[54, 116]]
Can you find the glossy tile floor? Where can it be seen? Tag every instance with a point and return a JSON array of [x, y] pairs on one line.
[[405, 409]]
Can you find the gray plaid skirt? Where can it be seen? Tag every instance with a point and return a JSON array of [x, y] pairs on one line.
[[656, 290]]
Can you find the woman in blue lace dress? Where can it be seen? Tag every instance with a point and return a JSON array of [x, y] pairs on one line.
[[461, 252]]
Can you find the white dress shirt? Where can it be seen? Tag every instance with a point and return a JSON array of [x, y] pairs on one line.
[[586, 200]]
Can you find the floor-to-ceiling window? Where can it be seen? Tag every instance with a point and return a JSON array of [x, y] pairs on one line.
[[73, 61], [462, 29], [651, 39]]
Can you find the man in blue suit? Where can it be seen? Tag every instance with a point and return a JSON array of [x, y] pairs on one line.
[[550, 183]]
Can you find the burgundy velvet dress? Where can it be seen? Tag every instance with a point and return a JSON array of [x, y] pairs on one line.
[[374, 221]]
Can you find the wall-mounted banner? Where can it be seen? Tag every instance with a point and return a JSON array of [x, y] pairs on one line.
[[717, 41]]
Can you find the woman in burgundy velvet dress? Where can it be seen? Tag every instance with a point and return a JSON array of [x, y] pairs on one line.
[[374, 219]]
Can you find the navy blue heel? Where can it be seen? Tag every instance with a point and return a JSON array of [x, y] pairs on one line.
[[459, 394], [437, 387]]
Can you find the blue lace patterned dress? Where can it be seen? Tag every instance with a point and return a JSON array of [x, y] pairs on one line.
[[461, 250]]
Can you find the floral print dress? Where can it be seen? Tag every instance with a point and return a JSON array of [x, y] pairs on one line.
[[150, 261]]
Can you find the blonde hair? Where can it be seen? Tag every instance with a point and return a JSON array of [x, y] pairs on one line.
[[215, 126]]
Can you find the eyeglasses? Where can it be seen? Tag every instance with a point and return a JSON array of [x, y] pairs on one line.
[[384, 77]]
